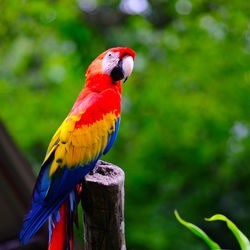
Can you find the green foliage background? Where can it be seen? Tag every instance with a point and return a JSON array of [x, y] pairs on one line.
[[184, 136]]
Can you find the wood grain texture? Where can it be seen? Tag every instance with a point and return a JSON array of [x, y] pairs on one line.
[[103, 206]]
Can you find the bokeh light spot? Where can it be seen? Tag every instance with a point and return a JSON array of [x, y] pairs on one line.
[[134, 6], [183, 7]]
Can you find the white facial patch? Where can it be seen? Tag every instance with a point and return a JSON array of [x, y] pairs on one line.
[[109, 61]]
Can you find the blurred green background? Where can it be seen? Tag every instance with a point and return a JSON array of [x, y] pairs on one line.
[[184, 136]]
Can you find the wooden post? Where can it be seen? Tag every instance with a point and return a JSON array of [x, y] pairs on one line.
[[103, 208]]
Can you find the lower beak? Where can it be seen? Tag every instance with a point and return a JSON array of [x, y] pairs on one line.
[[125, 79], [117, 73]]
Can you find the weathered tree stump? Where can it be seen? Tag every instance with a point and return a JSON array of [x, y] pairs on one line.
[[103, 208]]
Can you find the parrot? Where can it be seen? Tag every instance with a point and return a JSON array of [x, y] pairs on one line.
[[88, 132]]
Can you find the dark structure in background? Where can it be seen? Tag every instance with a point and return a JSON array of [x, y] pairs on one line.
[[16, 184]]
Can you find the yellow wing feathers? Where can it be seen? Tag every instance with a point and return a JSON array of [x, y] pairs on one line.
[[81, 145]]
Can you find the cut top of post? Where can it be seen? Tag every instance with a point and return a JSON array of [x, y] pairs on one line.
[[106, 174]]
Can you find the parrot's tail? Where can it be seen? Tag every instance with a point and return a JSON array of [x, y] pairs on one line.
[[61, 225]]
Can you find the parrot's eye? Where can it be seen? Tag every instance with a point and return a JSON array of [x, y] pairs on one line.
[[110, 54]]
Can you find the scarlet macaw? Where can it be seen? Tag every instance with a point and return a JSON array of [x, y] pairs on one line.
[[87, 133]]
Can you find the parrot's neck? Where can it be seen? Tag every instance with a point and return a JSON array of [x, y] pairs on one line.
[[101, 82], [98, 83]]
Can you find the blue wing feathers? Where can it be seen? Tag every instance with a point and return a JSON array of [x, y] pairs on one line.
[[50, 192], [59, 189], [43, 181], [36, 218], [112, 137]]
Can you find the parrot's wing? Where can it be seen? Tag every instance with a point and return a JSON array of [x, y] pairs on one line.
[[88, 132]]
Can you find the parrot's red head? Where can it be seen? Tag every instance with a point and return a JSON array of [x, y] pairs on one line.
[[111, 66]]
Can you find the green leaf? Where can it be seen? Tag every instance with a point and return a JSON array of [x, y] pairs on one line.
[[196, 230], [242, 239]]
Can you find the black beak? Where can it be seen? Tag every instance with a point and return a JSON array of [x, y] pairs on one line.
[[117, 72]]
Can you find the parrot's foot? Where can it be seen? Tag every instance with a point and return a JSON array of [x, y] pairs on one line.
[[93, 170]]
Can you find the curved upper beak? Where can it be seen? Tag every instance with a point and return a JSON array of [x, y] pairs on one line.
[[123, 69], [127, 66]]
